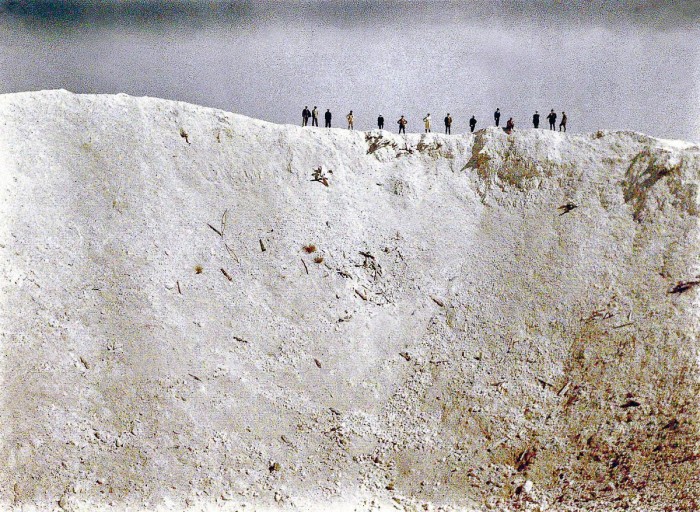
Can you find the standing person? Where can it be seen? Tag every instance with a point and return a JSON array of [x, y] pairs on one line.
[[328, 118], [305, 115], [497, 116], [510, 125], [350, 119], [562, 124], [402, 125], [536, 119], [472, 123], [552, 118], [426, 120], [448, 124], [314, 117], [380, 122]]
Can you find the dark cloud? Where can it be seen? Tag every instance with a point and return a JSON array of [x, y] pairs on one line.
[[662, 14]]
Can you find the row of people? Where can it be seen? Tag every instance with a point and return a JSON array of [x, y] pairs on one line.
[[402, 122]]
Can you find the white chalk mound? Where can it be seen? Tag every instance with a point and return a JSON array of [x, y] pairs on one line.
[[205, 311]]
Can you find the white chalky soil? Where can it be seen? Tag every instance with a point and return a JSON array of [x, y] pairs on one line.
[[459, 338]]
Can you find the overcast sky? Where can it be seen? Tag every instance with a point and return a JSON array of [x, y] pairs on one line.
[[619, 65]]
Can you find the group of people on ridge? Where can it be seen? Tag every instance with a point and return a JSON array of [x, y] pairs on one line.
[[307, 114], [552, 118]]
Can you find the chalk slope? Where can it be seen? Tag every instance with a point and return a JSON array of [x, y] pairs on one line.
[[458, 330]]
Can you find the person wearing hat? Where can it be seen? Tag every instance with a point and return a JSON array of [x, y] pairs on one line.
[[314, 117], [402, 125], [552, 118]]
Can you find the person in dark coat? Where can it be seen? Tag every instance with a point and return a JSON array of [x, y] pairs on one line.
[[402, 125], [448, 123], [305, 115], [509, 125], [497, 116], [536, 119], [328, 118], [552, 118], [472, 124], [314, 116], [380, 122], [562, 124]]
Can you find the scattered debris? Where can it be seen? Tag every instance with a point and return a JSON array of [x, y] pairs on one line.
[[179, 290], [405, 355], [86, 364], [683, 286], [224, 217], [305, 267], [438, 301], [262, 246], [671, 425], [285, 440], [198, 269], [309, 249], [215, 230], [566, 208], [242, 340], [360, 294], [526, 458], [622, 325], [274, 466], [544, 383], [318, 259], [319, 176], [232, 254], [194, 377], [630, 403], [184, 135], [228, 276], [318, 363], [564, 388]]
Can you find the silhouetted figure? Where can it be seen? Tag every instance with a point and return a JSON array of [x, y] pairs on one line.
[[536, 119], [562, 124], [472, 124], [328, 118], [426, 120], [314, 117], [509, 125], [350, 119], [380, 122], [448, 123], [402, 125], [497, 116], [305, 115], [552, 118]]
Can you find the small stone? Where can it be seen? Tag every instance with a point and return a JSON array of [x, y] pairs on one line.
[[169, 286], [278, 497], [527, 488], [275, 466]]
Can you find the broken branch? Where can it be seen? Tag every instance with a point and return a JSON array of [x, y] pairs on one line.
[[215, 230]]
